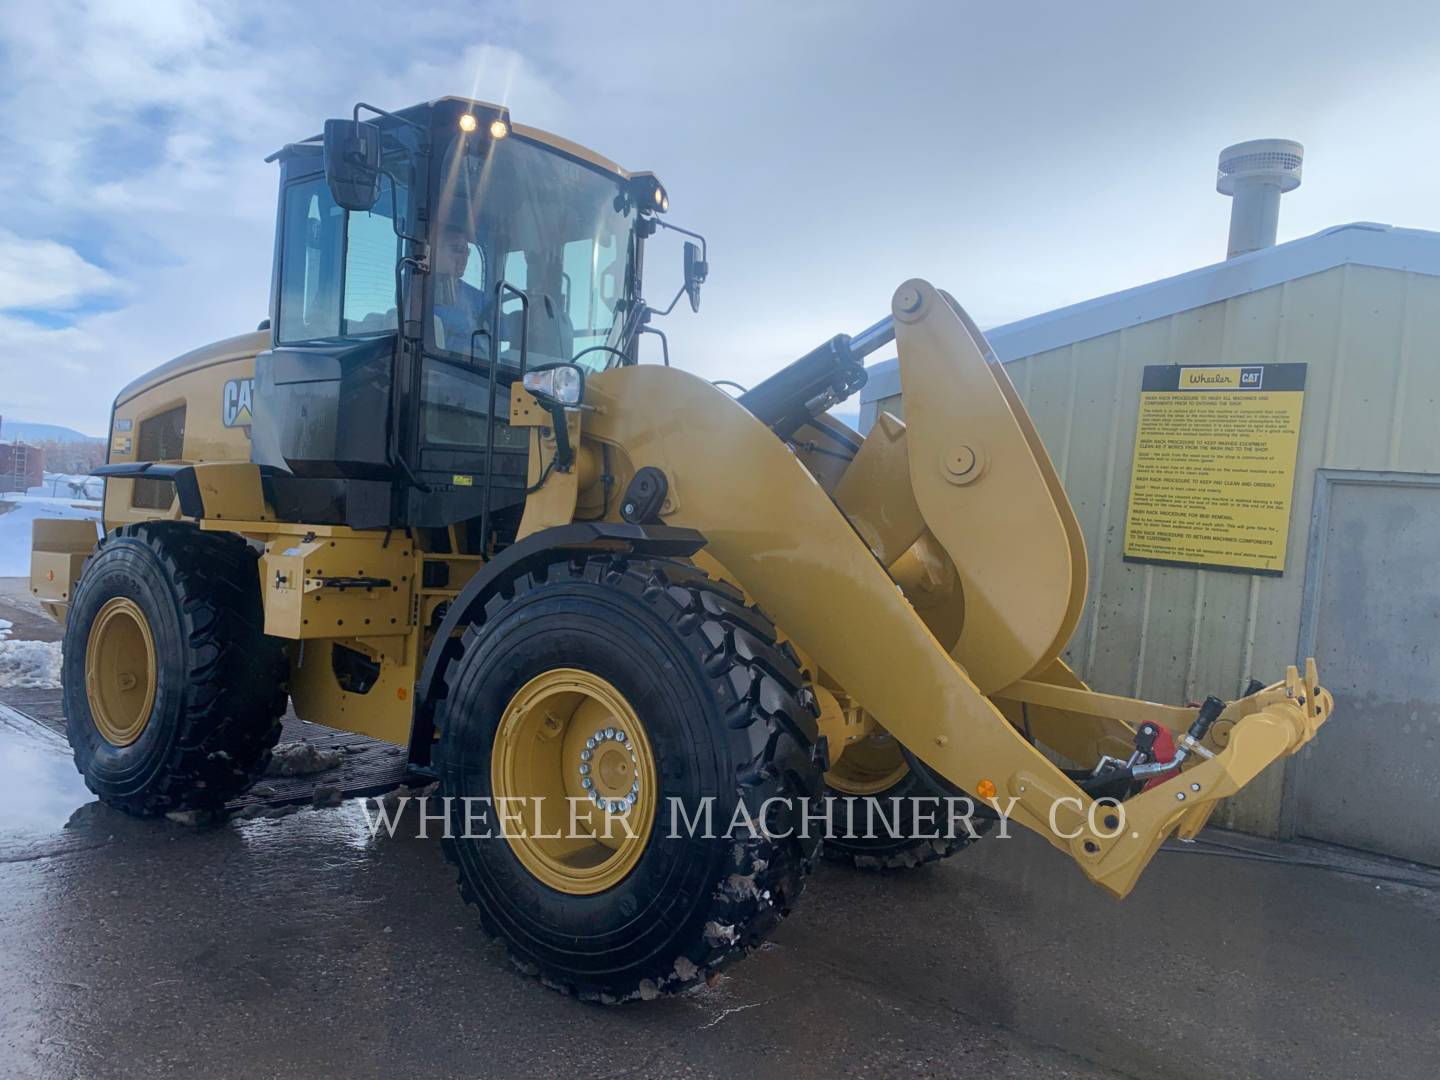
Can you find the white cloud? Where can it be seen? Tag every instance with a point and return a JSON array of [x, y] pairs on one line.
[[149, 124], [22, 337], [46, 274], [1022, 159]]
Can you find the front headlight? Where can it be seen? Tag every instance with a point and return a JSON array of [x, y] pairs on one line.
[[563, 384]]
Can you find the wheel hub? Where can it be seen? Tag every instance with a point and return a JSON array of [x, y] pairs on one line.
[[871, 766], [120, 671], [572, 752], [609, 770]]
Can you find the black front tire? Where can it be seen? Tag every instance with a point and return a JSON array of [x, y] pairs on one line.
[[219, 680], [730, 719]]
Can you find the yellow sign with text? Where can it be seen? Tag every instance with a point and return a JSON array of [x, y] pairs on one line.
[[1214, 466]]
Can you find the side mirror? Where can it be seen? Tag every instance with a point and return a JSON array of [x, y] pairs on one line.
[[352, 162], [696, 270]]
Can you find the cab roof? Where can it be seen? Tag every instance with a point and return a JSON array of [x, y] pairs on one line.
[[547, 138], [559, 142]]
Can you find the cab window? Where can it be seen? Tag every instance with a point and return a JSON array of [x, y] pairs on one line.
[[593, 284], [337, 269], [371, 252]]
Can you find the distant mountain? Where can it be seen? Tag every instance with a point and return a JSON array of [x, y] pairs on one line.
[[10, 430]]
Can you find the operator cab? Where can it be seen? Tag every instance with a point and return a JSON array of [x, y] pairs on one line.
[[417, 255]]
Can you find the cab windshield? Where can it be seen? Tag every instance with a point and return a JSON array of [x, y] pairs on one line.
[[554, 231]]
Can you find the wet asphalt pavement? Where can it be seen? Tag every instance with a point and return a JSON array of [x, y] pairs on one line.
[[299, 946], [27, 618]]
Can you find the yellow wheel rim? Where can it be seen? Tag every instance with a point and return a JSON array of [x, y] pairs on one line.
[[120, 671], [573, 781], [868, 767]]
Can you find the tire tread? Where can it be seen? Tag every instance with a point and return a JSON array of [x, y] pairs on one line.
[[767, 698], [235, 680]]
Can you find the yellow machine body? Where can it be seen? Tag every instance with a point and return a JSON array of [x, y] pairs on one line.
[[929, 584]]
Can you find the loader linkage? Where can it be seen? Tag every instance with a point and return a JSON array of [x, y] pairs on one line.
[[959, 505], [1213, 752]]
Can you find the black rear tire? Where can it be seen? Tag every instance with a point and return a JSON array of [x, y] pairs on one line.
[[219, 681], [730, 719], [893, 836]]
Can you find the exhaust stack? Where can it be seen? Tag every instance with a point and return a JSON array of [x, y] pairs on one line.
[[1255, 174]]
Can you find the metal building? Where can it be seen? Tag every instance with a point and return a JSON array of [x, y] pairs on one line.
[[22, 467], [1360, 586]]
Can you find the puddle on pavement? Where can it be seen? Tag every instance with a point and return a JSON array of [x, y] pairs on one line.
[[41, 793], [353, 825], [39, 787]]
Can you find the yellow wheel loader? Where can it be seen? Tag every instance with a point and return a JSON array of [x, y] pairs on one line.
[[656, 643]]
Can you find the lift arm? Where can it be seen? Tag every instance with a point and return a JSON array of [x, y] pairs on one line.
[[1010, 534]]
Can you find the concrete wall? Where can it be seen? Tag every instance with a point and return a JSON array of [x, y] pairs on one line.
[[1371, 338]]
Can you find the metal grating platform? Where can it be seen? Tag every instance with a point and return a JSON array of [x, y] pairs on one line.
[[367, 766]]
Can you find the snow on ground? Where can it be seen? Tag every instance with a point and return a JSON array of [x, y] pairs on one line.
[[15, 525], [30, 663], [35, 664]]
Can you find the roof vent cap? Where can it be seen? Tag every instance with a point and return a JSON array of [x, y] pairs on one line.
[[1255, 174], [1265, 161]]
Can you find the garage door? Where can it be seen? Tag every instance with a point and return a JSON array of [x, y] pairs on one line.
[[1371, 779]]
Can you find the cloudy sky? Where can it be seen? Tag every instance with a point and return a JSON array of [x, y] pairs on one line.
[[1023, 155]]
